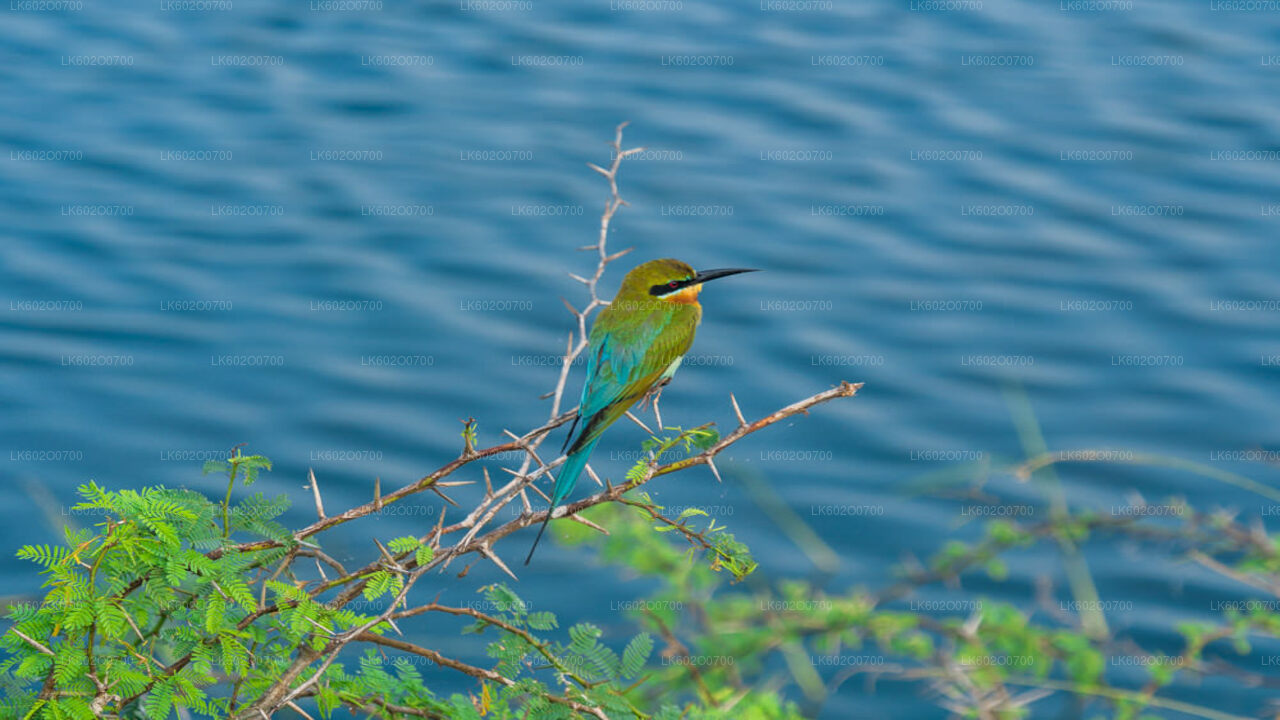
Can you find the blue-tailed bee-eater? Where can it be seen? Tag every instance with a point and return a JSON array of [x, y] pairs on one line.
[[635, 346]]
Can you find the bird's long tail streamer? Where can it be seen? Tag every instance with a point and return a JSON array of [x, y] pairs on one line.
[[565, 480]]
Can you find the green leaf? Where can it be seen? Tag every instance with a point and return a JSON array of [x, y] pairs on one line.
[[636, 654], [238, 591], [214, 613], [111, 620], [583, 637], [79, 617], [220, 467], [378, 585], [158, 703], [542, 620], [235, 658], [424, 554], [704, 439], [46, 555], [404, 544], [33, 666], [69, 664], [504, 599], [690, 512]]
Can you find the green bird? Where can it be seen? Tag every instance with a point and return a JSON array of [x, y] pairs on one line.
[[635, 346]]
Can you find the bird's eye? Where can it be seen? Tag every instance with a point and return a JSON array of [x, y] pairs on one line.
[[673, 283]]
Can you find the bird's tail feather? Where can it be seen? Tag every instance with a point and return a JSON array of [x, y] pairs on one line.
[[566, 478]]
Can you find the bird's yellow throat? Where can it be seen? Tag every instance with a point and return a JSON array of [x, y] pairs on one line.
[[687, 296]]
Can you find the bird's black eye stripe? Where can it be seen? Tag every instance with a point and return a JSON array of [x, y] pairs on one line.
[[669, 287]]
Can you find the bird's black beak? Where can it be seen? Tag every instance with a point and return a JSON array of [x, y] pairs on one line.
[[706, 275]]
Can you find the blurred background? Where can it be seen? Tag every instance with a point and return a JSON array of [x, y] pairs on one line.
[[332, 230]]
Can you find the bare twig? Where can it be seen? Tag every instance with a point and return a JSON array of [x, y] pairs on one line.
[[473, 671]]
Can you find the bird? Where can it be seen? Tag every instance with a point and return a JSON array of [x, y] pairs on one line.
[[634, 348]]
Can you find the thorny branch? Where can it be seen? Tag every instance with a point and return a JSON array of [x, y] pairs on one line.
[[474, 533]]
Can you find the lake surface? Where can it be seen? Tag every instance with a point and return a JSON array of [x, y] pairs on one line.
[[217, 221]]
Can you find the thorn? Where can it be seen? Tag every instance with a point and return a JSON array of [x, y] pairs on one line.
[[524, 499], [377, 493], [599, 169], [326, 631], [294, 707], [386, 554], [639, 422], [320, 567], [580, 279], [737, 410], [446, 498], [439, 531], [714, 470], [33, 643], [315, 491], [395, 627], [484, 550], [657, 413], [588, 523], [593, 475], [534, 454], [221, 592], [615, 256], [522, 476], [572, 309], [453, 483], [488, 486], [538, 490]]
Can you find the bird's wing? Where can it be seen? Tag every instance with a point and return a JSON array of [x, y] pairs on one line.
[[619, 374]]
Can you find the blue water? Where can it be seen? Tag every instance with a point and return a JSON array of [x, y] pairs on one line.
[[928, 210]]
